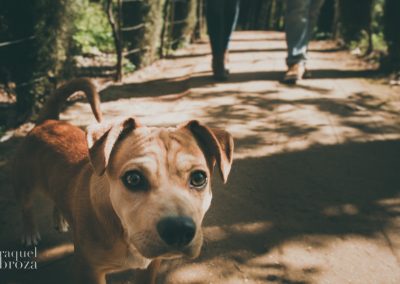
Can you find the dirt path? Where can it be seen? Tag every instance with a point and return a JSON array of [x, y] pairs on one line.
[[313, 196]]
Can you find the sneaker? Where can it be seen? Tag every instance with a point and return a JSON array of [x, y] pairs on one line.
[[294, 73]]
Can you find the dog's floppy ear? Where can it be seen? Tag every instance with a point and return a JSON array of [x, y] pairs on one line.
[[101, 139], [216, 144]]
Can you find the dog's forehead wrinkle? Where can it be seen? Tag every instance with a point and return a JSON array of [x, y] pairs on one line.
[[148, 161], [186, 155], [139, 148]]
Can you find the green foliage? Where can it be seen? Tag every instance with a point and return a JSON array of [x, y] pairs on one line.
[[378, 42], [92, 30], [351, 25], [29, 62], [355, 31], [128, 67], [53, 31], [378, 16]]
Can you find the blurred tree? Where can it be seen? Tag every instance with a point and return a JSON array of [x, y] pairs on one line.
[[92, 31], [115, 23], [355, 17], [200, 20], [183, 22], [392, 32], [44, 28], [142, 25], [326, 18], [261, 15], [18, 50]]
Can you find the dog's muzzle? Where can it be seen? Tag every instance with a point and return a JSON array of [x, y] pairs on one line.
[[176, 232]]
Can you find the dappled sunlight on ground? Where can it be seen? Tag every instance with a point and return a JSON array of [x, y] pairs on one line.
[[262, 113]]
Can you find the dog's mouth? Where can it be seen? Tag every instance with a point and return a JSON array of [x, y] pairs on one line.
[[166, 252], [171, 237], [156, 248]]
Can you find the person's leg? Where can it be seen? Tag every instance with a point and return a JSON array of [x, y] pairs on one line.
[[301, 18], [214, 17], [221, 20], [231, 17]]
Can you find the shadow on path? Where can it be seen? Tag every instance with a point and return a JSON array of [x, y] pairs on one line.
[[332, 191], [175, 86]]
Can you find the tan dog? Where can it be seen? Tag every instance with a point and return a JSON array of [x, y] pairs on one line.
[[132, 194]]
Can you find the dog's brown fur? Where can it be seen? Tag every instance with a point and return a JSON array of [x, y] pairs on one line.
[[114, 228]]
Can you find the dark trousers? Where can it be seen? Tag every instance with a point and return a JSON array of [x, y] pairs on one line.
[[221, 21]]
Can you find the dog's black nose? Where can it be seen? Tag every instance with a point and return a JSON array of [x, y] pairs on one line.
[[176, 231]]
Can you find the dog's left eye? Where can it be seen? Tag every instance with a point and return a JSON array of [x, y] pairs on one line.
[[198, 179], [134, 180]]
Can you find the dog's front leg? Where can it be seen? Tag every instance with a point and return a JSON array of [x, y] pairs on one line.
[[148, 275], [86, 274]]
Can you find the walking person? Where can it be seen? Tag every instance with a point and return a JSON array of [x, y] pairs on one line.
[[300, 19], [221, 18]]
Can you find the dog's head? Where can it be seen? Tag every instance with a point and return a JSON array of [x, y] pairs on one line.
[[159, 181]]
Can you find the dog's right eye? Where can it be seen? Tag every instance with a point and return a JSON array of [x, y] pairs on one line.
[[134, 180], [198, 179]]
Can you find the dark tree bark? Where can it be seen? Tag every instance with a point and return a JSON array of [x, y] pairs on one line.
[[116, 31], [164, 37], [355, 16], [326, 17], [336, 20], [392, 32], [200, 23], [41, 32], [183, 22], [144, 38], [370, 47]]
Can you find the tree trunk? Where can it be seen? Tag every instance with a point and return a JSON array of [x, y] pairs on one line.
[[116, 31], [391, 30], [185, 18], [351, 25], [199, 28], [143, 40], [39, 33], [336, 23]]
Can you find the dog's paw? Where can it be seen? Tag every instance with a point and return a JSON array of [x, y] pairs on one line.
[[30, 238], [62, 225]]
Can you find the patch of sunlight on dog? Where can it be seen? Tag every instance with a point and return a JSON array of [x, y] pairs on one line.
[[55, 253]]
